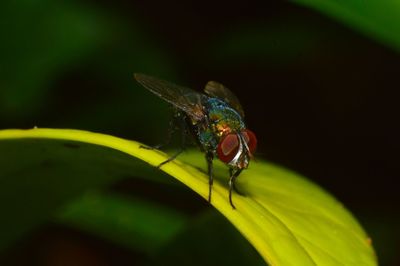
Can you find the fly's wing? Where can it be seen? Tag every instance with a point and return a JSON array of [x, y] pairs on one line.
[[183, 98], [216, 89]]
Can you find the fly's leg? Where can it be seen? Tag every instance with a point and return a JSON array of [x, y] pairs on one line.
[[173, 157], [171, 130], [209, 158], [181, 149], [232, 180], [234, 184]]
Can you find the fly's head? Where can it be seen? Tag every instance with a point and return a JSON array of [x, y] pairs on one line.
[[237, 148]]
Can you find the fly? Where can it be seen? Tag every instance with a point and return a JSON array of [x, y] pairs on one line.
[[215, 118]]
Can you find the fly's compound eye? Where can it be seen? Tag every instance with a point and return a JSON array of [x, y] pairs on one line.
[[228, 147], [250, 139]]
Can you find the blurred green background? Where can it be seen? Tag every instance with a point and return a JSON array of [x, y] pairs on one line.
[[321, 96]]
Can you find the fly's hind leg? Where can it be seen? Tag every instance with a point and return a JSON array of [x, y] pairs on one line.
[[173, 157], [209, 158], [183, 144], [171, 130]]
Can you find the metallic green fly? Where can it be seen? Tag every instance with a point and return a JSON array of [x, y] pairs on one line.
[[215, 119]]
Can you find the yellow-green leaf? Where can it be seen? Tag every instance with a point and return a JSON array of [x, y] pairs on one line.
[[289, 220]]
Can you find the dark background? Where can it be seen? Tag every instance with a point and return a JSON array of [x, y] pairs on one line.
[[321, 97]]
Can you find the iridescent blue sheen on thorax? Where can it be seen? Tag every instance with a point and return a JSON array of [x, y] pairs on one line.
[[221, 119]]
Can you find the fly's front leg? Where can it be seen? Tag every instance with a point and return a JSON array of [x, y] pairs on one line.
[[209, 158], [232, 179], [234, 184]]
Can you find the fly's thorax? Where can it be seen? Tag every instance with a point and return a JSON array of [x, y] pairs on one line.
[[223, 119], [220, 119]]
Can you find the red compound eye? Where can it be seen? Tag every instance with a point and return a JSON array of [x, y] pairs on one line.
[[250, 139], [228, 147]]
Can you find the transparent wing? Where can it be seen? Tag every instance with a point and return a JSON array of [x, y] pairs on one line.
[[216, 89], [183, 98]]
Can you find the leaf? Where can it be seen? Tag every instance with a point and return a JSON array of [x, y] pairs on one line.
[[131, 222], [377, 19], [160, 232], [289, 220], [206, 233], [39, 175]]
